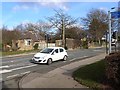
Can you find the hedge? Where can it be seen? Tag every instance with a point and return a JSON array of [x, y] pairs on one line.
[[113, 69]]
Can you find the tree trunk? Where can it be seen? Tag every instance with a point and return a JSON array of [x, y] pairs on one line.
[[99, 41]]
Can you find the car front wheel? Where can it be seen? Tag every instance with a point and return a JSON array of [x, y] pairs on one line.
[[49, 61], [65, 58]]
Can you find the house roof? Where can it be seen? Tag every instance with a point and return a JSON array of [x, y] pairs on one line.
[[32, 35]]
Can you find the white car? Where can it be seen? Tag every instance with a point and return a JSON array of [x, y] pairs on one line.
[[50, 54]]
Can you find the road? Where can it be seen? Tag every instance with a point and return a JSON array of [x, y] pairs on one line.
[[14, 68]]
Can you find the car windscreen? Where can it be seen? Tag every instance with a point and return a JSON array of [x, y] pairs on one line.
[[47, 50]]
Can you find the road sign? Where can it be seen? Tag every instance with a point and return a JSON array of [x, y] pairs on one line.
[[115, 15]]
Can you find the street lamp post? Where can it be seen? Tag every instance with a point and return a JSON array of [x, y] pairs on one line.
[[109, 16], [106, 41], [109, 13]]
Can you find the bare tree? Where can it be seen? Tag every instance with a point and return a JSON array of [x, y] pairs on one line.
[[75, 33], [96, 23], [8, 36], [43, 27], [61, 21], [20, 27]]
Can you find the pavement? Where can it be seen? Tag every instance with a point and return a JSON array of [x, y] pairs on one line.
[[58, 78]]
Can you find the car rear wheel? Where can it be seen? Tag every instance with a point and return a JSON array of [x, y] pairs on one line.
[[65, 58], [49, 61]]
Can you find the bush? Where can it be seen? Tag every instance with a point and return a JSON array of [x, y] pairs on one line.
[[113, 69], [1, 47], [35, 46], [66, 48], [85, 45]]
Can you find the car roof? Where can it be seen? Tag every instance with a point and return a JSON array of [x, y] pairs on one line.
[[55, 47]]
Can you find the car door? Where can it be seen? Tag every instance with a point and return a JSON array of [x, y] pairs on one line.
[[62, 53], [55, 55]]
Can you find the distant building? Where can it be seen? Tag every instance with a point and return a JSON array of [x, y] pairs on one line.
[[28, 40], [70, 43]]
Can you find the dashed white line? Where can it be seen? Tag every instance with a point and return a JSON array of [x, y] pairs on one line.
[[4, 66], [6, 71], [77, 58], [97, 50], [13, 76], [23, 67], [73, 59], [25, 72], [7, 62], [14, 65], [1, 79], [64, 61]]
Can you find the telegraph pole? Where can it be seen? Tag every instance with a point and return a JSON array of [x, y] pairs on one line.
[[63, 33]]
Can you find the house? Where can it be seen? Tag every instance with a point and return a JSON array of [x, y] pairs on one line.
[[28, 40], [70, 43]]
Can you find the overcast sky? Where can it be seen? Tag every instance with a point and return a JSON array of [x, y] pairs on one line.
[[15, 12]]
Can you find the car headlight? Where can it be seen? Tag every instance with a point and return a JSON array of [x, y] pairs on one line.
[[42, 57], [37, 57]]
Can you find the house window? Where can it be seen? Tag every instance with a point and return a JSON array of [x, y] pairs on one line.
[[28, 42], [16, 45]]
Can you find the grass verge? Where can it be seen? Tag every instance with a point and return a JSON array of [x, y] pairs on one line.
[[17, 52], [91, 75]]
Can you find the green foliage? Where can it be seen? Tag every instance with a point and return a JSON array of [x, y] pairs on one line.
[[96, 23], [66, 48], [91, 75], [35, 46], [118, 38], [1, 46], [85, 44]]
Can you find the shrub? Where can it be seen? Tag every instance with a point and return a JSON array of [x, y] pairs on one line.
[[36, 46], [66, 48], [113, 69], [85, 44]]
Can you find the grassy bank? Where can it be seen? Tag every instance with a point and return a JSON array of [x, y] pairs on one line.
[[17, 52], [91, 75]]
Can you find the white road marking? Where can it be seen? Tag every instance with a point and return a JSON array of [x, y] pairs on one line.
[[64, 61], [13, 76], [4, 66], [18, 74], [85, 56], [25, 72], [13, 60], [73, 59], [97, 50], [6, 71], [1, 79], [14, 65], [7, 62], [77, 58], [23, 67]]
